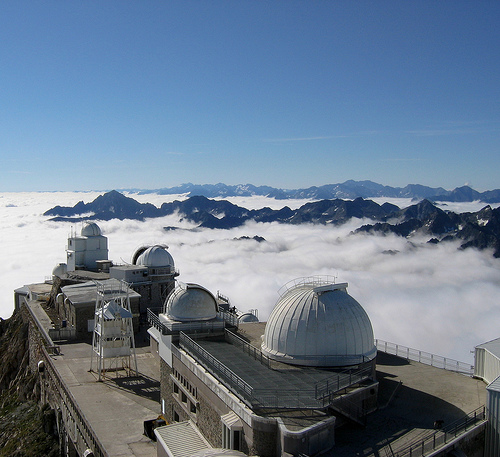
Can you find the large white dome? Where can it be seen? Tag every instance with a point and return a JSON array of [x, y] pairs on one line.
[[190, 302], [155, 256], [91, 229], [319, 324]]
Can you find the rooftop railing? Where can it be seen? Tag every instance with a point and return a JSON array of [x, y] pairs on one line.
[[247, 348], [319, 395], [439, 438], [242, 389], [426, 358], [194, 326]]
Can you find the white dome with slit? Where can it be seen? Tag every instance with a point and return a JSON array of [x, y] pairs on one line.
[[319, 324], [91, 229], [155, 256], [190, 302]]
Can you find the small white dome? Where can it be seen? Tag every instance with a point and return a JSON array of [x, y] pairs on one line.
[[155, 256], [317, 324], [91, 229], [190, 302], [60, 270], [248, 317]]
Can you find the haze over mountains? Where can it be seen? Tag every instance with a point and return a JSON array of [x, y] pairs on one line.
[[349, 189], [480, 229]]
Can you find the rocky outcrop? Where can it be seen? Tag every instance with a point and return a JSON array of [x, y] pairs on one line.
[[26, 429]]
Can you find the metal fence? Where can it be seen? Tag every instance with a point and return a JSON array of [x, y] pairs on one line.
[[339, 381], [217, 368], [438, 438], [247, 348], [425, 357]]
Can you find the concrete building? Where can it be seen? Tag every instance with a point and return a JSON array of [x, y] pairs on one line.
[[267, 389], [76, 304], [152, 274], [85, 251]]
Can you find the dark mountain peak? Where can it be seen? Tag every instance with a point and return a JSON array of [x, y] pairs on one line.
[[421, 210]]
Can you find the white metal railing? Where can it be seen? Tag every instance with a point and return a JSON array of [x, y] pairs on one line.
[[426, 358]]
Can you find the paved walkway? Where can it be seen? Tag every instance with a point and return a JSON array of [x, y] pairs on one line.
[[412, 396], [117, 408]]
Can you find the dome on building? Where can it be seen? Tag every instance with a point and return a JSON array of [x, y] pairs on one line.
[[60, 270], [248, 317], [190, 302], [316, 323], [155, 256], [91, 229]]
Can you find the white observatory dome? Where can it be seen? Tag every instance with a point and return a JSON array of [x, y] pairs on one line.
[[190, 302], [60, 270], [91, 229], [155, 256], [248, 317], [319, 324]]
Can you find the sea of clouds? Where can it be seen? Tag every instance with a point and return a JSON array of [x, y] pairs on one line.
[[434, 298]]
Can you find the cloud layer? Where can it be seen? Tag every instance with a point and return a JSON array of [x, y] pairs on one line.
[[434, 298]]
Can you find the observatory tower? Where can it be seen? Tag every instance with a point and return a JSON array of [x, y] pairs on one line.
[[113, 339], [84, 251]]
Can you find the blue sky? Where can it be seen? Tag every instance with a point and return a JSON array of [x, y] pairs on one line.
[[121, 94]]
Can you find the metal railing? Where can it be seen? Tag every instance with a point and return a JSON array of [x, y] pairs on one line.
[[439, 438], [285, 399], [230, 319], [247, 348], [154, 320], [426, 358], [326, 388], [320, 395], [217, 368], [194, 326]]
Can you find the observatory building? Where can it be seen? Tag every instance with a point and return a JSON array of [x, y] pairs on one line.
[[87, 250], [266, 389], [152, 275]]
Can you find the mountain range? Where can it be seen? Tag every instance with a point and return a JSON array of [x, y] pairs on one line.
[[348, 190], [479, 229]]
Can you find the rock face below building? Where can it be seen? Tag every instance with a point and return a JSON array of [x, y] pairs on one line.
[[27, 428]]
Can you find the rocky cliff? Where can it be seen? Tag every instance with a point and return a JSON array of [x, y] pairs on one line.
[[26, 428]]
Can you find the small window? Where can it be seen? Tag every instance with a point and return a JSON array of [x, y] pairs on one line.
[[184, 397], [192, 407]]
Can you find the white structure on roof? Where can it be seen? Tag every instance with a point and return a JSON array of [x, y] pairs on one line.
[[152, 274], [154, 256], [84, 251], [113, 338], [59, 270], [190, 302], [317, 323], [487, 368]]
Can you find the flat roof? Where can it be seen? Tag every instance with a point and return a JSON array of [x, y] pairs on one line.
[[115, 408], [86, 292], [412, 395]]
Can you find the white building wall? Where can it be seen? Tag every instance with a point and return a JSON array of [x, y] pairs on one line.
[[487, 365], [492, 441]]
